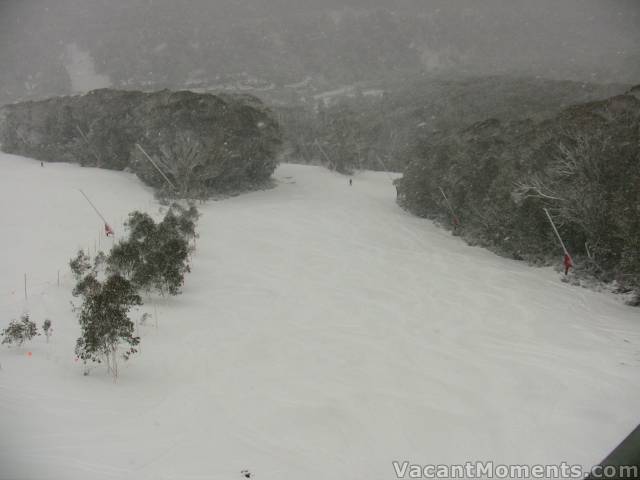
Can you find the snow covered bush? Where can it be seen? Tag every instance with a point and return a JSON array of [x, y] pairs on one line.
[[104, 321], [19, 331]]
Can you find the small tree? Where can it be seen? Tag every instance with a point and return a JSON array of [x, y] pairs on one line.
[[19, 331], [80, 264], [104, 321], [46, 327], [155, 256]]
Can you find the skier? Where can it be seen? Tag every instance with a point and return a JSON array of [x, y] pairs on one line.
[[350, 182], [42, 164]]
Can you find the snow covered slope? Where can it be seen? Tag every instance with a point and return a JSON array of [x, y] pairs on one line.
[[323, 334]]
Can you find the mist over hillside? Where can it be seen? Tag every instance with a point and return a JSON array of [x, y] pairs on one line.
[[51, 48]]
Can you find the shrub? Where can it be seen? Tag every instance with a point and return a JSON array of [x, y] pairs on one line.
[[19, 331]]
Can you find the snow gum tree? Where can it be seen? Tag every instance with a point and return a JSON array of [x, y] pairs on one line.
[[107, 331], [155, 255]]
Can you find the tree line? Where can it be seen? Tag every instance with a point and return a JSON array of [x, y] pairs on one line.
[[204, 144], [583, 165], [380, 125]]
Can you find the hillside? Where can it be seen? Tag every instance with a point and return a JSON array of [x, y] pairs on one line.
[[323, 333], [380, 125]]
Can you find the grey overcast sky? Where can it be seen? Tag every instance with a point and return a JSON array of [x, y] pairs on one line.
[[171, 42]]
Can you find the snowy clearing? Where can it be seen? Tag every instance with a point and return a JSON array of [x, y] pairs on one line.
[[323, 334]]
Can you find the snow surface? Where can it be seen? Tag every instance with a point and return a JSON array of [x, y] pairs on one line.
[[323, 334]]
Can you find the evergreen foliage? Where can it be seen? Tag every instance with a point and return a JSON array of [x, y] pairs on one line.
[[80, 264], [379, 127], [583, 165], [104, 320], [20, 331], [46, 327], [155, 256], [205, 144]]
